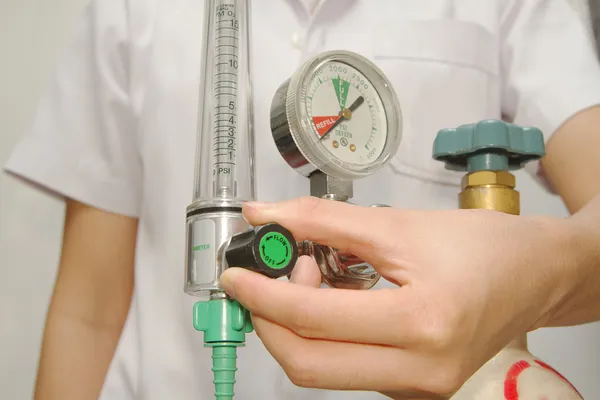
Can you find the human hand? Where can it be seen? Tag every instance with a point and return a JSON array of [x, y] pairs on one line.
[[469, 281]]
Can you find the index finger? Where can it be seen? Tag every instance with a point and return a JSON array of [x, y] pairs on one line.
[[363, 231]]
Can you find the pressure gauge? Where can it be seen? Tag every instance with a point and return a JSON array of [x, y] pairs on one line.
[[337, 114]]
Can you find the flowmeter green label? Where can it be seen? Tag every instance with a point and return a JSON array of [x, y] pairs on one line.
[[203, 251], [275, 250]]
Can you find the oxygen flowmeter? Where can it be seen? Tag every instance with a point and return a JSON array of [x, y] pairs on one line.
[[217, 234], [335, 120]]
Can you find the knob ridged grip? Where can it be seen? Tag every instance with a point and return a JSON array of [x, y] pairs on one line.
[[268, 249], [489, 145]]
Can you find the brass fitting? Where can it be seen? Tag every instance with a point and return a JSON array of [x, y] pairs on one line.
[[490, 190]]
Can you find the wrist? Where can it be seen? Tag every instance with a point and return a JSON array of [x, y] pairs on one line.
[[573, 258]]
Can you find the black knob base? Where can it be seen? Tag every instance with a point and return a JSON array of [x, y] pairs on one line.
[[269, 249]]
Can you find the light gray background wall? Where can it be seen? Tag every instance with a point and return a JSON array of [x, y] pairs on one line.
[[32, 33]]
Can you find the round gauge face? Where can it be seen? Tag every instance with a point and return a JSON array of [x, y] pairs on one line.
[[346, 113]]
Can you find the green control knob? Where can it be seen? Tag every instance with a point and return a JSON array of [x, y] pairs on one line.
[[270, 250], [489, 145]]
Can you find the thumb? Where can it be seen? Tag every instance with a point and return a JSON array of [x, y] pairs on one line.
[[306, 272], [363, 231]]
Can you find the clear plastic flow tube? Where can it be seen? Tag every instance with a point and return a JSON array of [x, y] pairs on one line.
[[224, 178], [224, 168]]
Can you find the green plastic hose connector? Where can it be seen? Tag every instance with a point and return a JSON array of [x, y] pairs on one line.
[[489, 145], [225, 324]]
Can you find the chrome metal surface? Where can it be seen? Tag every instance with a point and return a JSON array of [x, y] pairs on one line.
[[340, 269], [329, 187], [284, 139], [211, 230]]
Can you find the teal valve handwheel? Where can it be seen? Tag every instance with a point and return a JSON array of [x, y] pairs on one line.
[[489, 145]]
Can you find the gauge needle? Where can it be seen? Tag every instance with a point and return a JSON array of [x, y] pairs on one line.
[[356, 103], [345, 114]]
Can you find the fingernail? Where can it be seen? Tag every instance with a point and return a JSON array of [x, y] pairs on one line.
[[227, 281], [259, 205], [246, 219]]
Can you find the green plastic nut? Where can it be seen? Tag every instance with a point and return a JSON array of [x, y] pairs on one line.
[[222, 320], [489, 145]]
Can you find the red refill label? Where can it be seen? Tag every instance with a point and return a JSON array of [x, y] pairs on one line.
[[324, 123]]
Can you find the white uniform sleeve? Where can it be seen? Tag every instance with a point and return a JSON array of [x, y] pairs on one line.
[[83, 143], [550, 68]]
